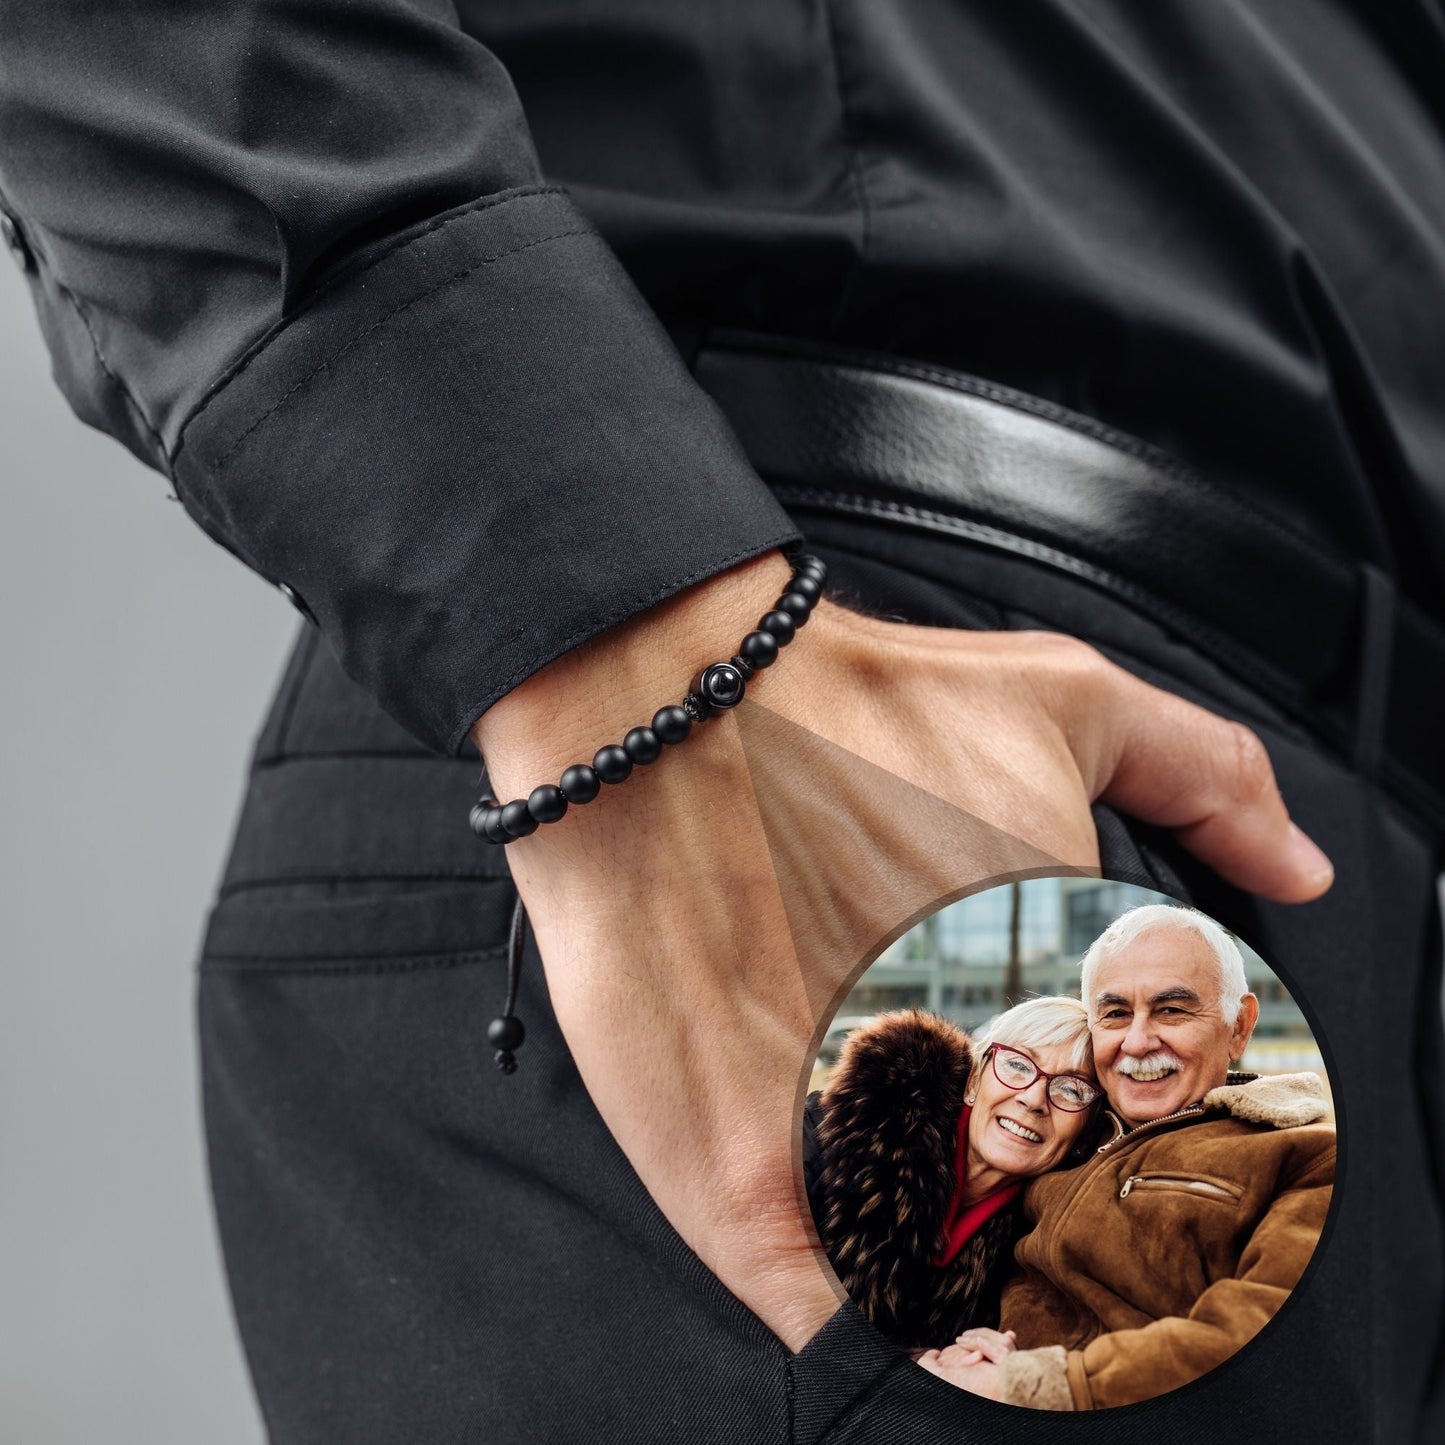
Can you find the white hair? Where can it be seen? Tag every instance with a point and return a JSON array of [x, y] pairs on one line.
[[1233, 985], [1054, 1021]]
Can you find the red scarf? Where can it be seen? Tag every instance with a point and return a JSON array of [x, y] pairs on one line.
[[964, 1221]]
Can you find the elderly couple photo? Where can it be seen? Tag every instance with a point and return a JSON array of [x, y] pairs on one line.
[[1083, 1204]]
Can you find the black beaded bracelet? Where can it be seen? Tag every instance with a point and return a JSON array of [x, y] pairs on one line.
[[716, 689]]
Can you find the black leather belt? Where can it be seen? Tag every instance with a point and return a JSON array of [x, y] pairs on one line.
[[1321, 636]]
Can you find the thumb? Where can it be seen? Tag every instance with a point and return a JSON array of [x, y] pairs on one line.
[[1166, 761]]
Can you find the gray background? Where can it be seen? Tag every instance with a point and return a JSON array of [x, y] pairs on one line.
[[136, 660]]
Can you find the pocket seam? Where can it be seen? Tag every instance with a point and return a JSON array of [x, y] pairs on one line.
[[319, 966]]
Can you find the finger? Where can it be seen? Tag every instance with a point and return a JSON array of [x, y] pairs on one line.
[[982, 1332], [985, 1345], [1166, 761]]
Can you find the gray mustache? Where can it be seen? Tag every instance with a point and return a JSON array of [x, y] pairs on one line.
[[1160, 1059]]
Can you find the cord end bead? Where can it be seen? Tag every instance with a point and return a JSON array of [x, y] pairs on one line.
[[506, 1034], [506, 1031]]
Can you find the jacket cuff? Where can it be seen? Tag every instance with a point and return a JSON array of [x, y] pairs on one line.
[[1036, 1378], [471, 456]]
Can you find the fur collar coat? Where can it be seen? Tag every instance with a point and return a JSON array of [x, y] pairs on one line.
[[878, 1152]]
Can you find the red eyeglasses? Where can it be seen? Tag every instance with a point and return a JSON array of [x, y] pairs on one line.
[[1069, 1092]]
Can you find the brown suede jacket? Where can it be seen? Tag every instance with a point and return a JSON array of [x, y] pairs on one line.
[[1173, 1246]]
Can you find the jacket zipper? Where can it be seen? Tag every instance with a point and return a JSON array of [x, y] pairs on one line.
[[1184, 1182], [1134, 1133]]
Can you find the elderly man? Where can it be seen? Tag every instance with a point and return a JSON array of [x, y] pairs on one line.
[[1175, 1244]]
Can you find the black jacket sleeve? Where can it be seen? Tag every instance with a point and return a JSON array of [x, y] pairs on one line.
[[300, 257]]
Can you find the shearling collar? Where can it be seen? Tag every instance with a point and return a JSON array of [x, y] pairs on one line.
[[1283, 1101]]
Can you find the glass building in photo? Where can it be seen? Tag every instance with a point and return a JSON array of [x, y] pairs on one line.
[[976, 957]]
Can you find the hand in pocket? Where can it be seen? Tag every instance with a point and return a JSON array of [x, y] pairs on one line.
[[697, 921]]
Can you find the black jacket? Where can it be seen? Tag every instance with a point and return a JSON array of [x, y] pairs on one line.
[[423, 360]]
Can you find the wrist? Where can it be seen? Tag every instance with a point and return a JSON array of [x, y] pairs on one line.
[[592, 695]]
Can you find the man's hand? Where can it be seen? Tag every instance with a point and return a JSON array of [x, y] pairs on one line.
[[700, 920]]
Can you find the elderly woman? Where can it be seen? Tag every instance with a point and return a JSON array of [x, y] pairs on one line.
[[916, 1153]]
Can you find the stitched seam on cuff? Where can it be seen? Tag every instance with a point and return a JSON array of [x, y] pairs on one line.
[[221, 461], [264, 342]]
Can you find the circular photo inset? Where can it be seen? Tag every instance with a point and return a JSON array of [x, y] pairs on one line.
[[1069, 1143]]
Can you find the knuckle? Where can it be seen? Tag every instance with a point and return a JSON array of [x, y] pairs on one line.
[[1073, 667], [1254, 778]]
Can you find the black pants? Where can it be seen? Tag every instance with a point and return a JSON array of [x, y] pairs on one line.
[[420, 1249]]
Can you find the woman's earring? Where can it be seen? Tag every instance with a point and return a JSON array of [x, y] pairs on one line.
[[969, 1098]]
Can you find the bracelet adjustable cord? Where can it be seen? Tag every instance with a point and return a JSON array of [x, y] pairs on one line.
[[716, 689], [506, 1033]]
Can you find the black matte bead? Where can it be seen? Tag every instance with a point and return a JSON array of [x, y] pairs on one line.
[[796, 606], [517, 822], [493, 829], [642, 745], [760, 649], [546, 803], [807, 585], [612, 764], [506, 1032], [671, 724], [720, 684], [780, 625], [580, 784]]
